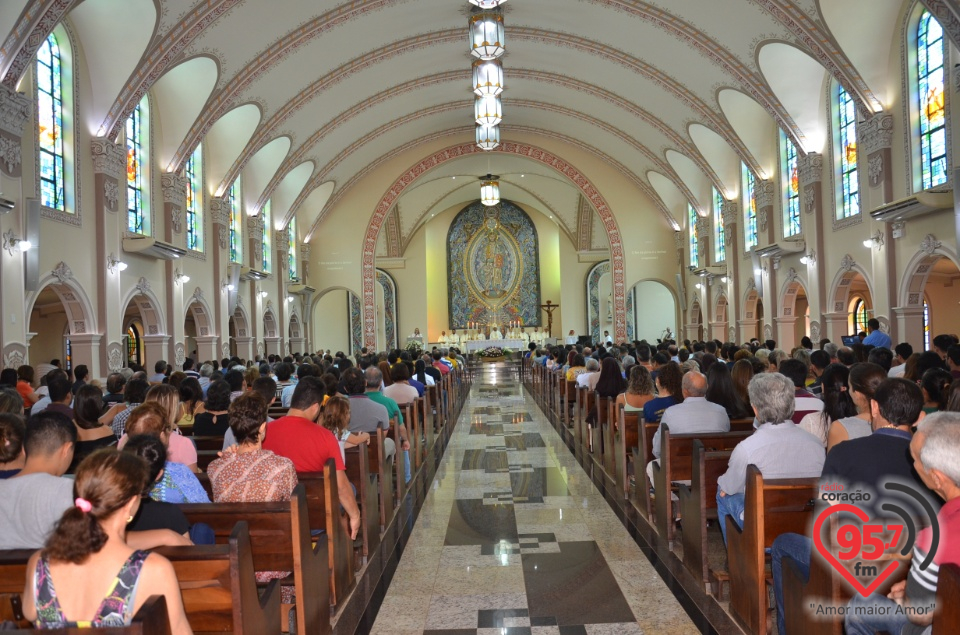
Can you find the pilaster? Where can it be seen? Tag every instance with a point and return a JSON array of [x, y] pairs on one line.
[[218, 210], [730, 212], [908, 323], [109, 199], [86, 350], [836, 325], [14, 113], [766, 220]]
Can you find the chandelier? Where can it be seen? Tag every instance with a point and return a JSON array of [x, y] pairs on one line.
[[488, 137], [487, 77], [486, 34], [487, 4], [488, 110], [490, 190]]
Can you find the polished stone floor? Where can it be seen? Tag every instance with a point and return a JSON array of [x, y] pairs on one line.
[[514, 538]]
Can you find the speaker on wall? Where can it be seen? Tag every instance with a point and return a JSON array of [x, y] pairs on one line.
[[31, 268], [682, 294]]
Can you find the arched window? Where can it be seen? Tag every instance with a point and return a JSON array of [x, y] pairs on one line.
[[749, 190], [136, 141], [192, 171], [719, 238], [50, 124], [926, 325], [236, 228], [692, 228], [860, 316], [847, 136], [133, 345], [292, 249], [791, 186], [933, 130], [266, 217]]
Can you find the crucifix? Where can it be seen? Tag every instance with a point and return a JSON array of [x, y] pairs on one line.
[[549, 307]]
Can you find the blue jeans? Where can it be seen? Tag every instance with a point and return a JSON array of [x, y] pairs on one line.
[[797, 548], [202, 534], [730, 505], [869, 624], [406, 466]]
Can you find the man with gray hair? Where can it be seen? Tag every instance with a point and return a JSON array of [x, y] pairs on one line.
[[589, 378], [831, 348], [694, 413], [935, 449], [373, 382], [779, 448]]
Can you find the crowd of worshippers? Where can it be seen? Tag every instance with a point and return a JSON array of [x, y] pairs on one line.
[[92, 475], [858, 415]]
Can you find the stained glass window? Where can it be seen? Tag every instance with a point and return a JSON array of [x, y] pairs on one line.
[[194, 205], [933, 131], [860, 315], [791, 177], [926, 325], [849, 181], [133, 345], [719, 234], [50, 123], [692, 227], [749, 189], [292, 249], [135, 157], [266, 218], [236, 228]]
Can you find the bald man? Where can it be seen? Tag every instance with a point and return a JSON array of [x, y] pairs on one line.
[[694, 413]]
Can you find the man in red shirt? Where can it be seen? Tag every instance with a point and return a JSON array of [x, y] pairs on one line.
[[438, 363], [299, 437]]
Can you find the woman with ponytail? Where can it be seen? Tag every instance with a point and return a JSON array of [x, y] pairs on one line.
[[87, 553]]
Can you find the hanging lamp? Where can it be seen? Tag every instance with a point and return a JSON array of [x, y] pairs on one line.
[[490, 190]]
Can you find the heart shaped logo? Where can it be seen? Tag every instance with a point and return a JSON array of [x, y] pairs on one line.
[[832, 559]]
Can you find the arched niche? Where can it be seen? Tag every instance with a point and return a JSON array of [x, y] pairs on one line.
[[143, 320], [794, 319], [693, 329], [851, 300], [59, 309], [388, 329], [721, 319], [599, 300], [239, 330], [655, 310], [295, 339], [751, 325], [337, 320]]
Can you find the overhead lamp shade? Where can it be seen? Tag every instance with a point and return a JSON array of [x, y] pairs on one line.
[[488, 110], [487, 77], [486, 34], [487, 4], [488, 137], [490, 190]]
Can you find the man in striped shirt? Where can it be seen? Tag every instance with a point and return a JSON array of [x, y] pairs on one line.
[[936, 454]]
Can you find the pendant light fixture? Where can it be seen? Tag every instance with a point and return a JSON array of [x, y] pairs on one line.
[[488, 110], [486, 34], [487, 4], [487, 77], [490, 190], [488, 137]]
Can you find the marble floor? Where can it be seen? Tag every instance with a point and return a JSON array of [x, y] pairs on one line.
[[514, 538]]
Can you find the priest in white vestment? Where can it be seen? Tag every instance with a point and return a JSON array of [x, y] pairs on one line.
[[495, 333], [443, 338], [453, 338]]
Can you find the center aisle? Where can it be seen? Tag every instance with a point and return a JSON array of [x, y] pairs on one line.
[[514, 535]]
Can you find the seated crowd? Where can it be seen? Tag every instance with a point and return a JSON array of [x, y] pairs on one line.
[[92, 476], [859, 416]]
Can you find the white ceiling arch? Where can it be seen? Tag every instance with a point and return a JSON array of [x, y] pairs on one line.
[[178, 97], [798, 81]]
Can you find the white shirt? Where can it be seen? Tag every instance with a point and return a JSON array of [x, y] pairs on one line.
[[588, 380], [571, 339], [496, 335], [693, 414], [782, 450], [443, 339], [897, 371]]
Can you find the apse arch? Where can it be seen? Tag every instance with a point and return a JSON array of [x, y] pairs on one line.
[[548, 159]]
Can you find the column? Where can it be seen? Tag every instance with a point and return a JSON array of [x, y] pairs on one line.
[[14, 114], [766, 220], [308, 299], [246, 348], [908, 322], [730, 212], [281, 273], [156, 347], [109, 196], [174, 189], [86, 350], [836, 325], [218, 210], [748, 330], [810, 171], [274, 346], [208, 348], [786, 334]]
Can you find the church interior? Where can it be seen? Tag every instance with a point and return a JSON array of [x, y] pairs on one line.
[[208, 179]]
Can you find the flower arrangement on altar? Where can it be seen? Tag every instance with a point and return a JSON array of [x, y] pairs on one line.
[[414, 347], [492, 351]]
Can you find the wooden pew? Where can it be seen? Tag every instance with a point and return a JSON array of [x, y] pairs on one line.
[[947, 619], [676, 465], [151, 619], [358, 471], [207, 449], [626, 441], [434, 404], [411, 419], [645, 448], [280, 540], [427, 424], [772, 507], [742, 425], [557, 403], [585, 403], [399, 480], [603, 437], [323, 502], [698, 504], [569, 402], [382, 469]]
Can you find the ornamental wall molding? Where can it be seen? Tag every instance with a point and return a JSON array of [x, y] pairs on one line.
[[792, 275], [255, 227], [815, 332], [809, 199], [730, 211], [176, 219], [62, 272], [218, 208], [875, 169], [111, 194], [143, 286], [763, 217], [196, 297], [703, 227], [929, 245], [174, 188], [875, 133], [281, 240], [305, 251], [14, 111], [10, 154], [810, 168], [847, 263], [222, 234], [766, 194], [109, 158], [751, 283], [678, 240]]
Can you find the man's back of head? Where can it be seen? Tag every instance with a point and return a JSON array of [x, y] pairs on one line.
[[308, 393], [846, 356], [820, 359], [795, 370], [49, 439], [898, 402], [353, 382], [373, 378], [59, 390], [694, 384], [881, 356]]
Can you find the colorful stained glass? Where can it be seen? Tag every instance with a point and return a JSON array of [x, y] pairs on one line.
[[791, 173], [133, 345], [692, 227], [236, 229], [749, 189], [933, 130], [719, 233], [860, 316], [194, 206], [292, 248], [50, 123], [926, 325], [134, 130], [849, 179], [266, 217]]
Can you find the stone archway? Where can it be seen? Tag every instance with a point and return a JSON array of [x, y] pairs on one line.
[[751, 321], [850, 278], [534, 153], [793, 323], [241, 342], [933, 259]]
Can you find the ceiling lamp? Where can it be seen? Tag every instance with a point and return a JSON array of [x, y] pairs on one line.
[[488, 137], [488, 110], [490, 190], [487, 77], [487, 4], [486, 34]]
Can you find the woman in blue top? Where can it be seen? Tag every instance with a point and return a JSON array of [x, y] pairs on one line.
[[669, 384]]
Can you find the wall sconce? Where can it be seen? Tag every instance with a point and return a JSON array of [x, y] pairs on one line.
[[699, 286], [874, 241], [723, 280], [289, 298], [11, 243], [810, 258], [226, 286], [180, 278], [758, 272], [114, 264], [264, 294]]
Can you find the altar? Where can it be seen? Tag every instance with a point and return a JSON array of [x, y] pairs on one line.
[[478, 345]]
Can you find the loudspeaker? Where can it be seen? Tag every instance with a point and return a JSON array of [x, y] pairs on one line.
[[682, 294]]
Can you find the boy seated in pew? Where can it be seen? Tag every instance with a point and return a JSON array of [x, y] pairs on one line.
[[864, 463], [88, 552], [32, 501], [936, 456], [779, 448]]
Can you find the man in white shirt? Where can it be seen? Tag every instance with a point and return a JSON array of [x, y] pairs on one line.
[[495, 333], [694, 413], [607, 338], [589, 378], [571, 338], [900, 354]]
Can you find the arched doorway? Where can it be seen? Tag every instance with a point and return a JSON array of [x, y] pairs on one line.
[[271, 333], [751, 326], [851, 301], [387, 325], [928, 297], [145, 342], [655, 310], [61, 325], [693, 329], [199, 337], [718, 328], [794, 320], [240, 340], [295, 342]]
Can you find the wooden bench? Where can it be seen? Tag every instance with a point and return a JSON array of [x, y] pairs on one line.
[[323, 503], [698, 504], [569, 402], [626, 441], [585, 403], [676, 464], [383, 470], [603, 434], [742, 425], [358, 471], [411, 419], [151, 619], [771, 508], [947, 619], [280, 540]]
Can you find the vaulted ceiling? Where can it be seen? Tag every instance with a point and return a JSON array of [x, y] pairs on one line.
[[302, 97]]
